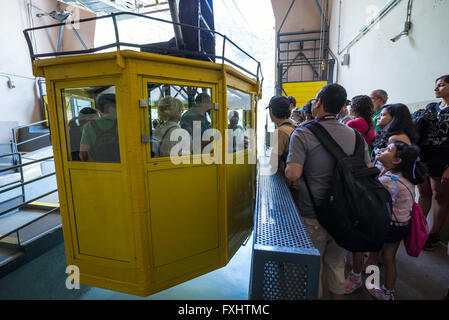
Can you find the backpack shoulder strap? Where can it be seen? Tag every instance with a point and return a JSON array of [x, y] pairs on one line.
[[95, 127], [366, 132], [411, 193], [114, 126], [326, 140]]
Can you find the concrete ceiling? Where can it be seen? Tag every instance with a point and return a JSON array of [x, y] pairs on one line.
[[303, 16]]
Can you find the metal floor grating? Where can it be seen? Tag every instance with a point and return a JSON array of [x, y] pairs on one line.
[[278, 220], [285, 265]]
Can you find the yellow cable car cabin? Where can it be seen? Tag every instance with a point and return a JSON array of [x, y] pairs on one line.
[[136, 219]]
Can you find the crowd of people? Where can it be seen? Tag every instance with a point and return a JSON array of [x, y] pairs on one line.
[[408, 149]]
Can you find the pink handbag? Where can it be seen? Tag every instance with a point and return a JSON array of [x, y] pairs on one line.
[[419, 230], [418, 233]]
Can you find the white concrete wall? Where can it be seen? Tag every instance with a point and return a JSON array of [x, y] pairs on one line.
[[21, 105], [406, 69]]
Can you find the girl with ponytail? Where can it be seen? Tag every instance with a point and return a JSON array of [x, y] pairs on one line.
[[403, 170]]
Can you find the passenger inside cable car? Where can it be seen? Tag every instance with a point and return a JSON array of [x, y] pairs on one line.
[[191, 110], [198, 114], [237, 138], [76, 126], [169, 111], [99, 140]]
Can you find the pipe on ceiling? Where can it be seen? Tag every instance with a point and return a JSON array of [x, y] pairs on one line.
[[382, 12]]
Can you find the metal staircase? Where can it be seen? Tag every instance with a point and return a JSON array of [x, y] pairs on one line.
[[302, 56], [30, 223]]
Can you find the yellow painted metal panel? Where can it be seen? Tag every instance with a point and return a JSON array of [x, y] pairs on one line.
[[101, 214], [184, 212], [303, 91], [115, 284], [171, 274], [239, 200], [131, 84], [160, 72], [235, 82], [83, 70], [140, 226]]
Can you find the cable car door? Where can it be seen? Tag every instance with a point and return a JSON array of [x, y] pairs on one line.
[[96, 184], [182, 190]]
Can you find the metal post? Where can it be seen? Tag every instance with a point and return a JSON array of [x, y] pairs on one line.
[[61, 32], [199, 26], [223, 53], [286, 15], [323, 18], [16, 151], [79, 37], [175, 17], [330, 71], [117, 40]]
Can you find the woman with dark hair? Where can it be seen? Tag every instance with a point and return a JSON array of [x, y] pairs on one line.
[[362, 110], [394, 120], [433, 129]]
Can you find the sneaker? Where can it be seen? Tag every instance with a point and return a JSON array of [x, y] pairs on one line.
[[381, 293], [352, 283], [431, 243]]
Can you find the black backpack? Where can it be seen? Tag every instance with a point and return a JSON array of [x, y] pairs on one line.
[[106, 148], [358, 211]]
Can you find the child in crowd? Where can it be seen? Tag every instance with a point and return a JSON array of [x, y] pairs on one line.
[[403, 170]]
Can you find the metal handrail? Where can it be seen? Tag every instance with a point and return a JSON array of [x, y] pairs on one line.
[[117, 43], [27, 182], [28, 202], [21, 185], [25, 164], [32, 139], [8, 154], [15, 129], [30, 124], [10, 183], [22, 182], [27, 224]]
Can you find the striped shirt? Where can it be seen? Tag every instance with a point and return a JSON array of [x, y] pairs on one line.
[[403, 195]]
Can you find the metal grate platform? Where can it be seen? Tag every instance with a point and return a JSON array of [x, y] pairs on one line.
[[285, 264]]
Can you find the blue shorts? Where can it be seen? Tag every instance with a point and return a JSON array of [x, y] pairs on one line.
[[396, 233]]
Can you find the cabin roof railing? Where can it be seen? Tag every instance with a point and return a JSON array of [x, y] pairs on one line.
[[253, 69]]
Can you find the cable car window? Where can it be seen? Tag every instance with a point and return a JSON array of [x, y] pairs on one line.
[[239, 120], [174, 107], [92, 127]]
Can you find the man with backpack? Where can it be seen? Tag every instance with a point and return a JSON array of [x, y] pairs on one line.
[[99, 140], [338, 188], [279, 110]]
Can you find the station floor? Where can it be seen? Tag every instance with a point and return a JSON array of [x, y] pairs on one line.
[[422, 278], [44, 279]]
